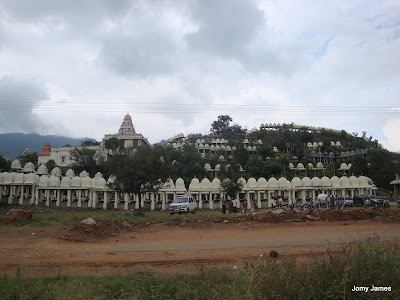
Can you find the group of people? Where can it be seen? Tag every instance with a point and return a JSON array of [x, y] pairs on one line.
[[233, 205]]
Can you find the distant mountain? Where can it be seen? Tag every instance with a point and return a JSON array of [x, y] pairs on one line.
[[12, 144], [162, 142]]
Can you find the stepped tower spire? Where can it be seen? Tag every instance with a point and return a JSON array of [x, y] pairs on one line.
[[127, 126]]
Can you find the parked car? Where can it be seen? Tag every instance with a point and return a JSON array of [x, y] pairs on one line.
[[360, 200], [183, 204], [348, 201], [372, 198]]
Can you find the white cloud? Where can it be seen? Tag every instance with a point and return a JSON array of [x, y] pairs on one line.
[[97, 60], [391, 132]]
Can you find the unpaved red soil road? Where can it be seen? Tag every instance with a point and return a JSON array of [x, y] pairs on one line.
[[172, 249]]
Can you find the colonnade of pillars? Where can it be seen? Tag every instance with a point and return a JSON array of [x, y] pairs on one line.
[[92, 198]]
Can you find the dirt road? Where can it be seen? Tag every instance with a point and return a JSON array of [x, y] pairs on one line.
[[169, 249]]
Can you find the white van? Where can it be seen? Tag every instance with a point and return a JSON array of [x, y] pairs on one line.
[[183, 204]]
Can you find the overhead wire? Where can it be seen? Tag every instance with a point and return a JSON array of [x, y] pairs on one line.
[[173, 108]]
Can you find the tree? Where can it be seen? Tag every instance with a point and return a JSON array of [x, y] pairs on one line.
[[359, 166], [241, 155], [265, 151], [5, 164], [89, 143], [139, 171], [235, 134], [112, 143], [229, 177], [50, 165], [383, 167], [221, 125], [186, 163], [85, 159], [192, 137], [28, 157]]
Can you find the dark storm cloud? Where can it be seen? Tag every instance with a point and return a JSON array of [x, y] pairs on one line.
[[17, 100]]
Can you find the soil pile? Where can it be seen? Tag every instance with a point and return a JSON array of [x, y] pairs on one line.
[[17, 215], [101, 230]]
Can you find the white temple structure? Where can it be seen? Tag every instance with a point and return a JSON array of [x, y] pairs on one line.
[[126, 135], [73, 190]]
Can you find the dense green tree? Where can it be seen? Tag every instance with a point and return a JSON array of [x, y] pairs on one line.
[[359, 166], [221, 126], [241, 155], [85, 159], [383, 167], [50, 165], [139, 171], [256, 167], [25, 158], [89, 143], [112, 143], [229, 177], [5, 164], [186, 163], [192, 137]]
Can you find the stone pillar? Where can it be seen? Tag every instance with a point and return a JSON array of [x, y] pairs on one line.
[[200, 201], [105, 200], [90, 195], [92, 199], [211, 201], [303, 195], [313, 194], [137, 201], [57, 192], [259, 199], [127, 199], [153, 201], [21, 198], [269, 198], [79, 195], [10, 198], [116, 203], [37, 197], [33, 193], [163, 205], [69, 200], [48, 197]]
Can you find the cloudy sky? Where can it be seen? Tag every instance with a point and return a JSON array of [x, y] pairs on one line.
[[75, 68]]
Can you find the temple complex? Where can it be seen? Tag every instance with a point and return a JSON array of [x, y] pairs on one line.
[[79, 190], [126, 136]]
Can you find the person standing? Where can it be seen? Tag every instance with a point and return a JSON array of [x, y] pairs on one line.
[[273, 203], [253, 206], [244, 206], [234, 203], [230, 206], [223, 203]]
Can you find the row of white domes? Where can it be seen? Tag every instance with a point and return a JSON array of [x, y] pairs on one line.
[[54, 181], [214, 141], [297, 126], [300, 166], [282, 182], [99, 182]]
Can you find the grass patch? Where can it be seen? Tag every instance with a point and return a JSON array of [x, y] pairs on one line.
[[374, 213], [331, 276]]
